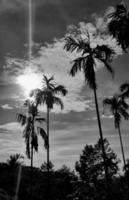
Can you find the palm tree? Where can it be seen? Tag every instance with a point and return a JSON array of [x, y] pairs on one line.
[[119, 25], [31, 131], [47, 95], [15, 160], [86, 62], [118, 108]]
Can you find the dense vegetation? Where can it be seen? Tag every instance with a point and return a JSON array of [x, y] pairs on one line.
[[85, 182]]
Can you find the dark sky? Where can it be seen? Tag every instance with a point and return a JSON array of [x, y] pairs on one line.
[[77, 124]]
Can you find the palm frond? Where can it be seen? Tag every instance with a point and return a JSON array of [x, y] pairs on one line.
[[124, 113], [124, 88], [47, 80], [107, 102], [40, 119], [107, 65], [21, 118], [120, 11], [43, 134], [119, 26], [78, 64], [124, 105], [79, 45], [34, 142], [58, 101], [104, 52], [61, 90], [36, 93]]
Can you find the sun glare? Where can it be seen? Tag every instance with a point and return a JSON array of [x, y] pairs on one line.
[[29, 82]]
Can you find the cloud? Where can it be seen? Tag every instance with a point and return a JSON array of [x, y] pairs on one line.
[[52, 59], [7, 107], [9, 5], [12, 126]]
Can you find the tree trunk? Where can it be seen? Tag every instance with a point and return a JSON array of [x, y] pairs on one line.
[[31, 175], [48, 156], [48, 139], [31, 157], [102, 143], [18, 182], [122, 149]]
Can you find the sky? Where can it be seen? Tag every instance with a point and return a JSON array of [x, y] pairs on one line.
[[75, 126]]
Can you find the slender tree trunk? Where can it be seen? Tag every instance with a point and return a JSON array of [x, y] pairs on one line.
[[31, 157], [48, 156], [122, 149], [123, 156], [48, 139], [31, 175], [102, 143], [18, 182]]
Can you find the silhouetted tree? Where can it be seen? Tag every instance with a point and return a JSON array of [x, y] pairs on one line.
[[90, 168], [86, 62], [119, 25], [44, 167], [31, 131], [48, 95], [15, 160], [118, 108]]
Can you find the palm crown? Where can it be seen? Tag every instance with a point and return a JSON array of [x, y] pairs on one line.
[[89, 57], [47, 95], [118, 108], [119, 25], [124, 88], [30, 130]]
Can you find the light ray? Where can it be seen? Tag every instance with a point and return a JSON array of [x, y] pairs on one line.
[[30, 30], [24, 80]]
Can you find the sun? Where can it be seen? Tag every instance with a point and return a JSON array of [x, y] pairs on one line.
[[29, 82]]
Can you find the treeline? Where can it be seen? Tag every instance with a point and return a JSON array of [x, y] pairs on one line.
[[85, 182]]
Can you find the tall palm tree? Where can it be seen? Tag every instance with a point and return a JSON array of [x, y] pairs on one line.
[[119, 25], [48, 95], [118, 108], [86, 62], [31, 131]]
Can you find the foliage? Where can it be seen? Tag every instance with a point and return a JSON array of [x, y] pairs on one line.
[[118, 107], [119, 25], [124, 89], [88, 57], [90, 167], [15, 160], [48, 94], [44, 166], [31, 131]]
